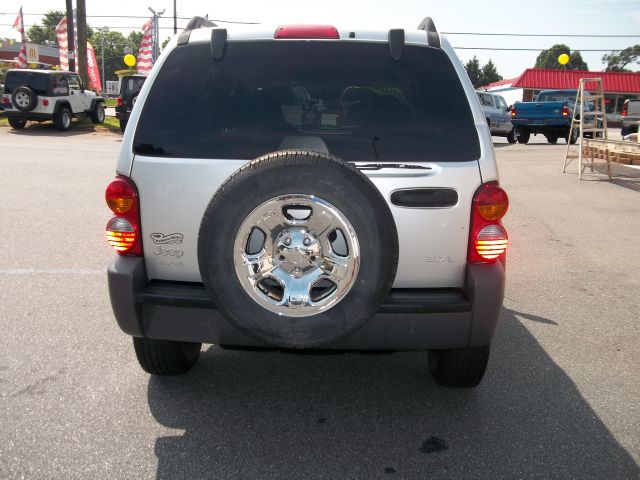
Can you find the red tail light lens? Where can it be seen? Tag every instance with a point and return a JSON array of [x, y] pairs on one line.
[[624, 110], [123, 230], [307, 31], [6, 100], [513, 112], [488, 237], [565, 111], [45, 102], [119, 101]]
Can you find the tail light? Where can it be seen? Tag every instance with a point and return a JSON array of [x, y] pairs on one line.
[[513, 112], [6, 100], [624, 110], [119, 102], [565, 111], [488, 239], [123, 230], [307, 31], [45, 102]]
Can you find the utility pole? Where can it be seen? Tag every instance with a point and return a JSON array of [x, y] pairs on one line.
[[175, 18], [156, 36], [103, 30], [81, 13], [70, 37]]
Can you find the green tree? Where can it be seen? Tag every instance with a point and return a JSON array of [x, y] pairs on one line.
[[474, 71], [135, 38], [490, 73], [549, 59], [46, 32], [114, 46], [618, 60], [480, 76]]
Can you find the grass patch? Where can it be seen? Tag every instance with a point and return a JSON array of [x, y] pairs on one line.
[[111, 124], [110, 102]]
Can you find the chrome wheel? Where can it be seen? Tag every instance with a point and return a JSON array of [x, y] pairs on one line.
[[296, 255], [22, 100], [66, 120]]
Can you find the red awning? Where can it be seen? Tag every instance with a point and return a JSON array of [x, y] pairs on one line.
[[544, 79]]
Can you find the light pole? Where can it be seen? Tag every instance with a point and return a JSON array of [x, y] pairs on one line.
[[156, 47], [103, 30]]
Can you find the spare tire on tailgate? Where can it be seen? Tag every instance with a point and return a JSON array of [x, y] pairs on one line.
[[298, 249]]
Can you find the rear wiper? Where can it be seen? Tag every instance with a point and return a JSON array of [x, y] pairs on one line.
[[380, 166]]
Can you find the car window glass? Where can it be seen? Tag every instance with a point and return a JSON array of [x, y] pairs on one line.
[[502, 104], [59, 85], [74, 82], [362, 104], [38, 82]]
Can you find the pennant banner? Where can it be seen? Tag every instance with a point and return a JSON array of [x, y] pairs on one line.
[[145, 52], [63, 43], [19, 26], [92, 69]]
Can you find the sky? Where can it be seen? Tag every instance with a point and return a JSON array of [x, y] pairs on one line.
[[546, 17]]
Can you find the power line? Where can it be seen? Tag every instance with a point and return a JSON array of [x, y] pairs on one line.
[[577, 35]]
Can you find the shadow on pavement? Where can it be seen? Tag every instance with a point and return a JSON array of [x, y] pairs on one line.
[[47, 129], [284, 415]]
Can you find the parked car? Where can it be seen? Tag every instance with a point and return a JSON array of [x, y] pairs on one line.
[[130, 86], [42, 95], [630, 117], [550, 114], [239, 223], [498, 115]]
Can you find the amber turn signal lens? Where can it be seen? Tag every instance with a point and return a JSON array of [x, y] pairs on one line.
[[492, 202], [120, 196]]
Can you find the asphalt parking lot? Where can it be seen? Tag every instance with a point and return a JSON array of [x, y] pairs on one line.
[[561, 397]]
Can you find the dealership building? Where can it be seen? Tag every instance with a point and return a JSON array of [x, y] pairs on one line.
[[618, 86]]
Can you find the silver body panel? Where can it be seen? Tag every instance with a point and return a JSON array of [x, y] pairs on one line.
[[174, 193]]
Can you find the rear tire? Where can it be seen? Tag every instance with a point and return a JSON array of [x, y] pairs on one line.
[[17, 123], [574, 137], [511, 136], [97, 114], [123, 125], [164, 357], [552, 139], [460, 367], [522, 136], [62, 119]]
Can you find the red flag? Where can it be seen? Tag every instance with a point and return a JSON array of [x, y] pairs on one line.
[[19, 26], [145, 52], [92, 69]]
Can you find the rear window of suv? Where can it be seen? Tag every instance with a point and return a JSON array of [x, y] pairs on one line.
[[38, 82], [264, 96]]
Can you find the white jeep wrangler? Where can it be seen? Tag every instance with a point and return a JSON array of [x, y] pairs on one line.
[[49, 95], [307, 186]]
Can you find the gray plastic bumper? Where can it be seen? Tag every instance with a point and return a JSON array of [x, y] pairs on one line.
[[409, 319]]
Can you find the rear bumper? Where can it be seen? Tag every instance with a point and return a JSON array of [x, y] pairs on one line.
[[409, 319]]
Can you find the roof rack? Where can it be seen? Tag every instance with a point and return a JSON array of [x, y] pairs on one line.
[[199, 22], [433, 39], [195, 23]]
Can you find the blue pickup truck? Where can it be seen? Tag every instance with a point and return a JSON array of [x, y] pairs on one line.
[[550, 114]]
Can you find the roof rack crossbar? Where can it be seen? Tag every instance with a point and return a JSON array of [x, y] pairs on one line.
[[433, 39]]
